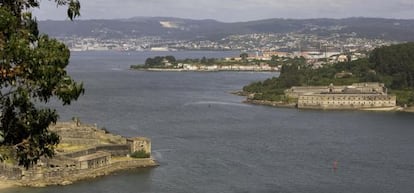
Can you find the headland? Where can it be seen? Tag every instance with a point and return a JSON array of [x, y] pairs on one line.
[[370, 96], [170, 64], [85, 151]]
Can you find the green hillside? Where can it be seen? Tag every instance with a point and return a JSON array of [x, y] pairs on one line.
[[392, 65]]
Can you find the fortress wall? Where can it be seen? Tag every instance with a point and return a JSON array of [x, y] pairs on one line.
[[73, 130], [368, 87], [77, 133], [47, 176], [66, 167], [81, 133], [343, 101], [78, 141], [81, 153], [60, 173], [10, 172], [368, 84], [115, 150], [295, 92], [142, 162], [140, 143]]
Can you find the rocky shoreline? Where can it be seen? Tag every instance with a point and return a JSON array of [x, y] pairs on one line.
[[271, 103]]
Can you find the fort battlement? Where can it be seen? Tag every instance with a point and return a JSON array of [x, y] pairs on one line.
[[370, 95], [87, 151], [356, 88], [76, 133]]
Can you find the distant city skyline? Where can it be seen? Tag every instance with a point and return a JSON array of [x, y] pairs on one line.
[[233, 10]]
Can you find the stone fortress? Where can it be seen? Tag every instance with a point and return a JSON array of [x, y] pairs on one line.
[[359, 96], [84, 151]]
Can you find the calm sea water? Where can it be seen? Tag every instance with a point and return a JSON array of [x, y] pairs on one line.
[[206, 140]]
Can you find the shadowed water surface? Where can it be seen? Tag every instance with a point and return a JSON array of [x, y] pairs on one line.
[[206, 140]]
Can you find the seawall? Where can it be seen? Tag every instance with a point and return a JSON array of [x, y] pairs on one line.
[[271, 103], [71, 176]]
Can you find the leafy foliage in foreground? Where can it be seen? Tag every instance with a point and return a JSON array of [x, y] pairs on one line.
[[32, 71]]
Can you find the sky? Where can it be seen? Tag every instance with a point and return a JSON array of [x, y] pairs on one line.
[[233, 10]]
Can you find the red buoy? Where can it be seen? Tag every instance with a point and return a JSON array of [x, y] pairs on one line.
[[335, 164]]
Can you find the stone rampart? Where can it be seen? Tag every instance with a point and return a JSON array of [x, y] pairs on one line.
[[80, 141], [64, 176], [73, 130], [10, 172], [82, 134], [80, 153], [95, 160], [142, 162], [364, 87], [113, 149], [346, 101]]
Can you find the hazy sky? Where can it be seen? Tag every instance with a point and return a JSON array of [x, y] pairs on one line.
[[234, 10]]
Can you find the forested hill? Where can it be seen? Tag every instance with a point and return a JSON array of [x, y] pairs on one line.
[[177, 28], [392, 65], [395, 65]]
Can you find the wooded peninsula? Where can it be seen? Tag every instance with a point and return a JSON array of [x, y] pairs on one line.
[[391, 65], [242, 63]]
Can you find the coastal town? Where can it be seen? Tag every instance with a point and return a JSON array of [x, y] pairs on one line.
[[293, 42], [317, 50], [261, 42], [270, 61]]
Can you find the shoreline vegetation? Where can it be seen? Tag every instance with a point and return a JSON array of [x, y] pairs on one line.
[[391, 66], [242, 63]]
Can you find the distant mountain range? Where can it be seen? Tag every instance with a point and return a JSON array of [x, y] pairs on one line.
[[188, 29]]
